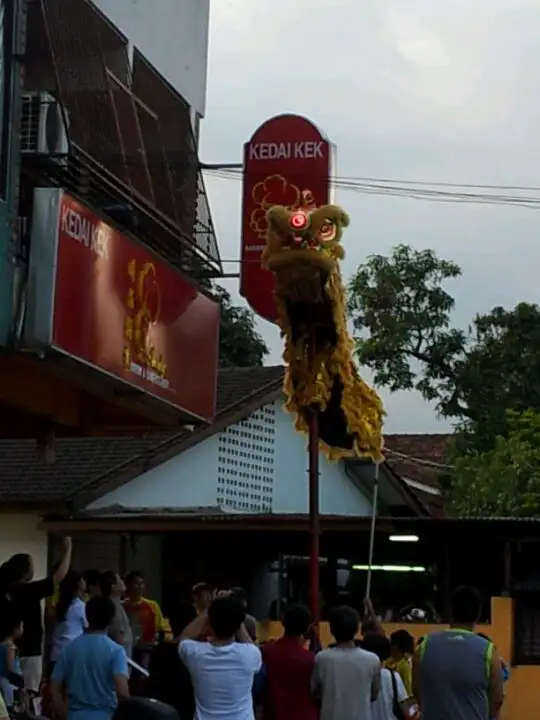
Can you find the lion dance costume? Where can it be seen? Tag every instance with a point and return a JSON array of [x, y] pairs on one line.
[[303, 251]]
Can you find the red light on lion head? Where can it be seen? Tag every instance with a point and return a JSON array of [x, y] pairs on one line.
[[299, 220]]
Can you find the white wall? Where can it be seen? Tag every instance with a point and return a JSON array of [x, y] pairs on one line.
[[337, 494], [257, 465], [186, 481], [172, 35], [19, 533]]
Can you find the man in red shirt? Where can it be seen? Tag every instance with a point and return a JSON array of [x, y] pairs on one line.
[[288, 667]]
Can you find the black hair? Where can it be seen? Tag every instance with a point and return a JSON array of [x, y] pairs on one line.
[[420, 640], [91, 577], [296, 621], [403, 641], [377, 644], [69, 587], [240, 594], [465, 605], [132, 576], [225, 615], [180, 617], [10, 619], [100, 613], [344, 623], [106, 582], [14, 570]]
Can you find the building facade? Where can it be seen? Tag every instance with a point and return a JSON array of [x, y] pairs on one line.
[[107, 226], [256, 465], [174, 39], [132, 501]]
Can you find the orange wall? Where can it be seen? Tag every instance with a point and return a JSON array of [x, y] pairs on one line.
[[522, 690]]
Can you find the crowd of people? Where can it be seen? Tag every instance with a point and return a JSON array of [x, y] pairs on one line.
[[205, 662]]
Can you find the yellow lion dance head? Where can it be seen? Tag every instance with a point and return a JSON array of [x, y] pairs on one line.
[[306, 234], [303, 245]]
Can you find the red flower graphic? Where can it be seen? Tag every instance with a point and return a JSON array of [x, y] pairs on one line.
[[273, 190], [258, 222]]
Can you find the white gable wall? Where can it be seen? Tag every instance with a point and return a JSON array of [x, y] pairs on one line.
[[337, 494], [257, 465], [183, 481]]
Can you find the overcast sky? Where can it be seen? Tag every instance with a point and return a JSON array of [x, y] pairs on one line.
[[416, 90]]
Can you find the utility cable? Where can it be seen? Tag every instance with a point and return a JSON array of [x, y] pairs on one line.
[[419, 193]]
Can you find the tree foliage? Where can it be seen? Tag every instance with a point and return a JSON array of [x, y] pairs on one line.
[[240, 345], [502, 481], [403, 317]]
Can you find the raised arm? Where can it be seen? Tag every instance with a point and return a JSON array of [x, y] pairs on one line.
[[63, 567], [197, 628], [243, 636]]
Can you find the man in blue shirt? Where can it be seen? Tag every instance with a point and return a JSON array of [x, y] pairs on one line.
[[92, 670]]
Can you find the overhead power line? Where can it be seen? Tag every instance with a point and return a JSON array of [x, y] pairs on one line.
[[422, 190], [237, 169]]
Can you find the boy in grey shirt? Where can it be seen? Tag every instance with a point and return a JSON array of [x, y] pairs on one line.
[[346, 679]]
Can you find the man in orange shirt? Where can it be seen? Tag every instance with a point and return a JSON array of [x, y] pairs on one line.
[[144, 615]]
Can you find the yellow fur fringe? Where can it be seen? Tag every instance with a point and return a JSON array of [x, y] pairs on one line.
[[314, 378]]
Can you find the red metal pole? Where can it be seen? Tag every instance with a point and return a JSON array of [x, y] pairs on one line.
[[314, 524]]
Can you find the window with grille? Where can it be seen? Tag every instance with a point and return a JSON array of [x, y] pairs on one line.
[[246, 459], [527, 629]]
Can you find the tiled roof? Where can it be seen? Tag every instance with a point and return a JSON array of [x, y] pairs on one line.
[[87, 464], [417, 457], [81, 462]]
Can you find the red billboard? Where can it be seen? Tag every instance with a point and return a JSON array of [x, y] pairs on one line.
[[121, 310], [286, 155]]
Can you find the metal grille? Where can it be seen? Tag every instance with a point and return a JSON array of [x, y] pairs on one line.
[[30, 123], [132, 150], [246, 463], [187, 184]]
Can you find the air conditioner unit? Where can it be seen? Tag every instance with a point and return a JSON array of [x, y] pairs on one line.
[[44, 126]]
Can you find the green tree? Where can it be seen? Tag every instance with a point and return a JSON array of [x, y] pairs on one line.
[[502, 481], [402, 315], [240, 345]]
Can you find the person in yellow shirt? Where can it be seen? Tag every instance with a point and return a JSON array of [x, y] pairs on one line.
[[145, 615], [401, 651]]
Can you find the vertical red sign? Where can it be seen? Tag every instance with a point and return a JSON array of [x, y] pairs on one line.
[[287, 154]]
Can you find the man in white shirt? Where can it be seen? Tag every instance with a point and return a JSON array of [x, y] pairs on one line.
[[393, 691], [346, 679], [222, 669]]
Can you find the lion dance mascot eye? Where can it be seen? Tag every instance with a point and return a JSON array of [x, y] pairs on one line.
[[303, 251]]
